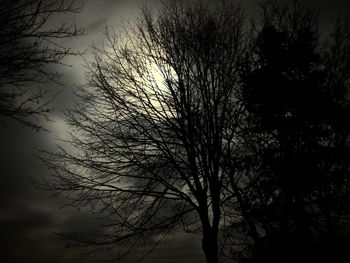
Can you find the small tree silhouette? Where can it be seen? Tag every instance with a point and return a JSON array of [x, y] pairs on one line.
[[28, 46]]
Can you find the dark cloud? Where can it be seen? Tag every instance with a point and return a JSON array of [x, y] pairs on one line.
[[29, 218]]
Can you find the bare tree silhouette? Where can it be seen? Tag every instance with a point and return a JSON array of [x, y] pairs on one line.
[[155, 126], [28, 46]]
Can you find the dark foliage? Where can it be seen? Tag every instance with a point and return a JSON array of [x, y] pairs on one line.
[[296, 93]]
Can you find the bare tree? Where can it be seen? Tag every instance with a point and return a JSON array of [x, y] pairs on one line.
[[154, 126], [28, 46]]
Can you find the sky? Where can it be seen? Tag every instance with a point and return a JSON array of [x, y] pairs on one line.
[[29, 218]]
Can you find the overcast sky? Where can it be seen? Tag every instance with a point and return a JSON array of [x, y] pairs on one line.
[[30, 218]]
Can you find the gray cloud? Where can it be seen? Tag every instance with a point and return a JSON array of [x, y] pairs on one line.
[[30, 218]]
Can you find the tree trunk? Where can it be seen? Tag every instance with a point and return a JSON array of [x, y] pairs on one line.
[[210, 245]]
